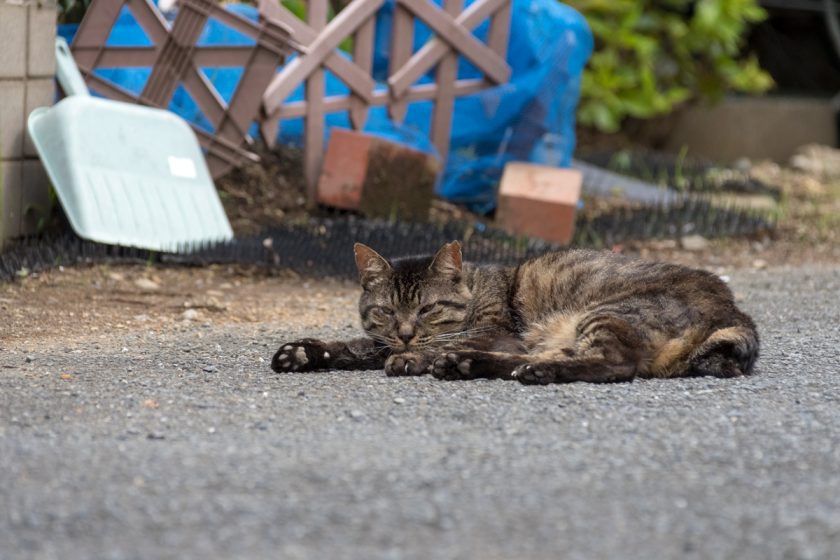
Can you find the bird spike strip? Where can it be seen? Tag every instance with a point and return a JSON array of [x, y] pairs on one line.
[[323, 247]]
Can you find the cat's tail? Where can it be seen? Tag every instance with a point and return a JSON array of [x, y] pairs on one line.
[[727, 352]]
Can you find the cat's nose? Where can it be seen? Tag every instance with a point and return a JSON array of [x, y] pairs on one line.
[[405, 336], [405, 332]]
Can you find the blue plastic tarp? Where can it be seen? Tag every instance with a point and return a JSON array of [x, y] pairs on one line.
[[530, 118]]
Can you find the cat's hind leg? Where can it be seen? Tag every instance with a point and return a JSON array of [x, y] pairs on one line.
[[727, 352], [595, 348]]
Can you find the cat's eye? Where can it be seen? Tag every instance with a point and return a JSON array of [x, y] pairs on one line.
[[426, 309], [385, 311]]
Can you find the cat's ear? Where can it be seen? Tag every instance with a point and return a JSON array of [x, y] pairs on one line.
[[448, 262], [373, 268]]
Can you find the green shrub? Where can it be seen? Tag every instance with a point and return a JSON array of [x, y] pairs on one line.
[[651, 56]]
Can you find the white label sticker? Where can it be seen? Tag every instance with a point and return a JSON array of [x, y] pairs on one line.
[[182, 167]]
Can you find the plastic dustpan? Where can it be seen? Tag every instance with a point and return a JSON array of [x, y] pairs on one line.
[[126, 174]]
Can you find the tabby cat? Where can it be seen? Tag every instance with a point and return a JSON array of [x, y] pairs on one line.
[[562, 317]]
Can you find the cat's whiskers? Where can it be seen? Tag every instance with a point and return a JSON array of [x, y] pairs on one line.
[[466, 333]]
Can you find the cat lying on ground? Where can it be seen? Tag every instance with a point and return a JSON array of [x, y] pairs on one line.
[[562, 317]]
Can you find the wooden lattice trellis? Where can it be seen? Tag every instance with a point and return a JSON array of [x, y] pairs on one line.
[[175, 59], [452, 26]]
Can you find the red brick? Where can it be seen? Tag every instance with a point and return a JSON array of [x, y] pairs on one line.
[[377, 177], [539, 201], [344, 169]]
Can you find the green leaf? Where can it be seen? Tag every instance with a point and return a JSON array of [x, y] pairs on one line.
[[651, 56]]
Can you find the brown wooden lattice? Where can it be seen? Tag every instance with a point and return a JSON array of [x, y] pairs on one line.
[[175, 59]]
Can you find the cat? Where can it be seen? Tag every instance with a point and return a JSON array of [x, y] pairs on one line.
[[577, 315]]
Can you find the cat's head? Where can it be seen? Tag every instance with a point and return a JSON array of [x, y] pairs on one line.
[[413, 302]]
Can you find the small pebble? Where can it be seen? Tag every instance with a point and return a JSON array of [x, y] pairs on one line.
[[694, 242], [189, 315], [209, 369], [146, 284], [399, 400]]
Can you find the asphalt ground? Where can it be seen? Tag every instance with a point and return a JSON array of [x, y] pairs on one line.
[[183, 444]]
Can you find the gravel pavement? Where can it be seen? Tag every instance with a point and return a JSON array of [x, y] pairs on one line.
[[185, 445]]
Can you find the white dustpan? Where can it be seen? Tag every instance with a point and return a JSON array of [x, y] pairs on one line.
[[126, 174]]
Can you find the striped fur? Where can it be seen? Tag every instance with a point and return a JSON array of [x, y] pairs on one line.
[[568, 316]]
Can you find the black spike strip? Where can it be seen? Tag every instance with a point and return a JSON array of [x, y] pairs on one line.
[[323, 246]]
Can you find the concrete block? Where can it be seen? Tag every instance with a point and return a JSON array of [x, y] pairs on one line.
[[41, 52], [11, 175], [35, 202], [12, 41], [539, 201], [771, 127], [11, 118], [377, 177], [39, 93]]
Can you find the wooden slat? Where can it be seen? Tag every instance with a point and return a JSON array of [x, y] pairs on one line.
[[431, 53], [270, 128], [272, 9], [313, 151], [115, 57], [336, 103], [150, 20], [94, 30], [237, 22], [402, 39], [447, 73], [363, 58], [497, 37], [323, 46], [460, 38], [212, 106], [140, 57], [356, 79]]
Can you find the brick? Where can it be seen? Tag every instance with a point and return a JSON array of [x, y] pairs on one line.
[[13, 41], [11, 118], [39, 93], [539, 201], [378, 177], [41, 52], [35, 201], [11, 174], [344, 169]]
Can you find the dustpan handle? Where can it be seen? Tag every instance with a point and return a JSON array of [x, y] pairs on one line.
[[66, 70]]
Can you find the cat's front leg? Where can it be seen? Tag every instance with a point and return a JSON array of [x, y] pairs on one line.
[[408, 363], [310, 354], [491, 357], [466, 364]]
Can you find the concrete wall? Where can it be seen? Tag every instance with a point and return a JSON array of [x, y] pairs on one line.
[[27, 67], [754, 127]]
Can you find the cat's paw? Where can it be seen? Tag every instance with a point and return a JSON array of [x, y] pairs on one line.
[[304, 355], [452, 366], [533, 374], [405, 364]]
